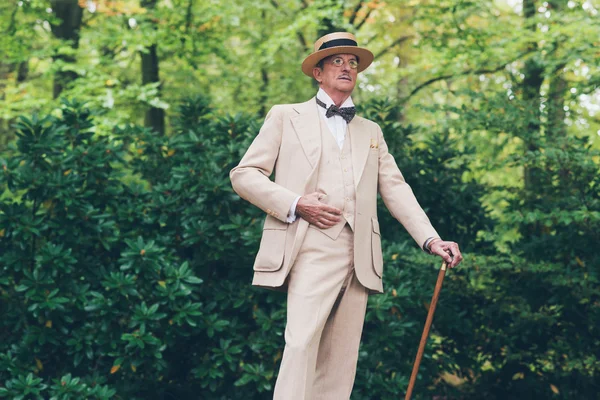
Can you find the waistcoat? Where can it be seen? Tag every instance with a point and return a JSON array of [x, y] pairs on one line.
[[336, 179]]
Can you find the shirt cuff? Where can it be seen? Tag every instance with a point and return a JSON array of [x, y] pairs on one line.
[[292, 214], [426, 244]]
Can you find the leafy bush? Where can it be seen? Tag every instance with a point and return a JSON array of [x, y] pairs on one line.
[[126, 266], [562, 211], [504, 328]]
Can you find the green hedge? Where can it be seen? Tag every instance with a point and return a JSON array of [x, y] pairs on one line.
[[125, 270]]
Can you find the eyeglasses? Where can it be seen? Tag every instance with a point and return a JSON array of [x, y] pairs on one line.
[[339, 61]]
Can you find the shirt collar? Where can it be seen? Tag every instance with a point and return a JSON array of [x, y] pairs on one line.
[[324, 97]]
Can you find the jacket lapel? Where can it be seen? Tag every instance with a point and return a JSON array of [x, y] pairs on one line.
[[308, 130], [359, 142]]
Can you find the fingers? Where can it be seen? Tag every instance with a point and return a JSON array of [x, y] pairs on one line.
[[456, 253], [318, 224], [324, 219], [316, 212], [446, 256], [335, 218], [325, 207], [312, 199], [449, 252], [322, 225], [331, 209]]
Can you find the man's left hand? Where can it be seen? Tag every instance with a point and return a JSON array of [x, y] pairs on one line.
[[449, 251]]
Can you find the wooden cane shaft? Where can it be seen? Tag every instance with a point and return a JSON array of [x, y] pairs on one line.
[[428, 321]]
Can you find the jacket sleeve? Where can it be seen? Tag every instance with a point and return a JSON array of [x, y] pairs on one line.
[[399, 198], [250, 178]]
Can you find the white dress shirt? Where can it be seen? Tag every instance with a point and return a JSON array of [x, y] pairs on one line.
[[337, 126]]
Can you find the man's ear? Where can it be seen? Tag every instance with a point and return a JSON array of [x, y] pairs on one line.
[[317, 74]]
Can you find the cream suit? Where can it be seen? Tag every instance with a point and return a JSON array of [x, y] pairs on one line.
[[328, 273], [289, 143]]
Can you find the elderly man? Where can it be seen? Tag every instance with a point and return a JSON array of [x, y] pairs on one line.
[[321, 239]]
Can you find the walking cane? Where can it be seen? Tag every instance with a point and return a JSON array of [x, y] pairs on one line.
[[434, 299]]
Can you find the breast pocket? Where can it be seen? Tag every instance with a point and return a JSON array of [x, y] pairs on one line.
[[272, 246], [373, 156]]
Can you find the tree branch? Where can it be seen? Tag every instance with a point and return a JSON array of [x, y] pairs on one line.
[[356, 10], [394, 43], [189, 16], [466, 72], [299, 35], [364, 19], [301, 39], [12, 26]]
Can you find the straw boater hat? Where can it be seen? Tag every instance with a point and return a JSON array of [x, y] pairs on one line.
[[337, 43]]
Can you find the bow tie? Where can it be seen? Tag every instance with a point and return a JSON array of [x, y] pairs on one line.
[[345, 112]]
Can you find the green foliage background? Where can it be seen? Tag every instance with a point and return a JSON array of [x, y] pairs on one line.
[[125, 256]]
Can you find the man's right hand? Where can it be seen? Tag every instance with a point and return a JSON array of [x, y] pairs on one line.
[[316, 213]]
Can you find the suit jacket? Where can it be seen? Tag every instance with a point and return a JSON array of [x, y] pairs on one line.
[[289, 142]]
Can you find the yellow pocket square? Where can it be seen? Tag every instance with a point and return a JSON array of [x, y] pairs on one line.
[[374, 144]]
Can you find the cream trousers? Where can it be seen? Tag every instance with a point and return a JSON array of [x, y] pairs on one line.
[[325, 313]]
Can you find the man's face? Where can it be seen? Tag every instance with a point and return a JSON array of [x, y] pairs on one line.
[[341, 77]]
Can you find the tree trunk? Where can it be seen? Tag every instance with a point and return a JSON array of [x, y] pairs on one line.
[[532, 82], [558, 88], [70, 14], [556, 128], [531, 85], [22, 71], [5, 70], [264, 73], [556, 102], [155, 117]]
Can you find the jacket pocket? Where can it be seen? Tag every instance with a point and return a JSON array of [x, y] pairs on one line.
[[373, 157], [376, 248], [272, 246]]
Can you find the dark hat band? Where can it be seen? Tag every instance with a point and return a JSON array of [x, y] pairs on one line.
[[337, 43]]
